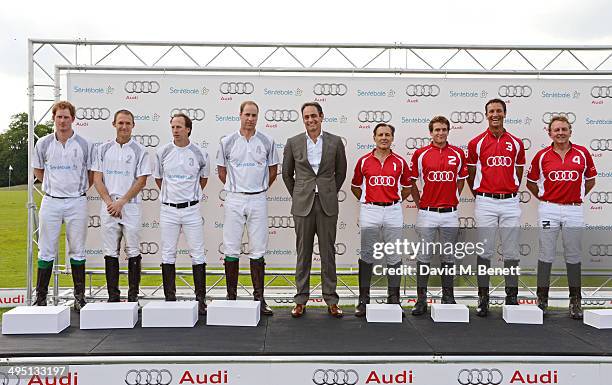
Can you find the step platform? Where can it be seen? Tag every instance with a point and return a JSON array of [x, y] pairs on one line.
[[523, 314], [177, 314], [105, 315], [598, 318], [450, 313], [382, 312], [233, 313], [36, 320]]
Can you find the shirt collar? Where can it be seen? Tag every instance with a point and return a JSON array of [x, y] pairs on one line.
[[318, 137]]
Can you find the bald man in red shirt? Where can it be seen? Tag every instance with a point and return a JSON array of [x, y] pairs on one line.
[[560, 176]]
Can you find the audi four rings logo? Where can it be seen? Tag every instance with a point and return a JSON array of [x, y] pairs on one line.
[[423, 90], [283, 300], [514, 91], [523, 248], [281, 115], [499, 161], [601, 197], [601, 144], [526, 143], [467, 117], [331, 89], [94, 221], [340, 249], [524, 196], [601, 92], [414, 143], [564, 176], [547, 116], [601, 250], [441, 176], [374, 116], [196, 114], [380, 180], [280, 222], [467, 223], [592, 302], [148, 377], [149, 247], [335, 377], [236, 88], [480, 377], [92, 113], [147, 140], [141, 87], [149, 194]]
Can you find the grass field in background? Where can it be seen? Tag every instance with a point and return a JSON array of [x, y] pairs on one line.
[[13, 247]]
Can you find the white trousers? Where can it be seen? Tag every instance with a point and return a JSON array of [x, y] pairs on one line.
[[189, 220], [567, 220], [380, 223], [249, 210], [505, 214], [127, 227], [53, 212], [430, 224]]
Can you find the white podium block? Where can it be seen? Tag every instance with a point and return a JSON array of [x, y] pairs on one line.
[[598, 318], [233, 313], [162, 314], [382, 312], [450, 313], [105, 315], [36, 320], [523, 314]]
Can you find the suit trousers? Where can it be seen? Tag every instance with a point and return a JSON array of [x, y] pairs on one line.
[[316, 222]]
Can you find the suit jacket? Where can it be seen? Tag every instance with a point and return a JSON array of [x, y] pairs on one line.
[[300, 178]]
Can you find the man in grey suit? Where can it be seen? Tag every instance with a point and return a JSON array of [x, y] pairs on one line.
[[314, 168]]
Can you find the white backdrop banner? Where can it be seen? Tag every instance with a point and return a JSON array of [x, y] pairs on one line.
[[352, 107]]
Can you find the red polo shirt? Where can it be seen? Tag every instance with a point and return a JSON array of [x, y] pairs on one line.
[[495, 160], [561, 180], [381, 181], [438, 170]]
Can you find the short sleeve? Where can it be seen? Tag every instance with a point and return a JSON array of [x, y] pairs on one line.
[[357, 175], [533, 175]]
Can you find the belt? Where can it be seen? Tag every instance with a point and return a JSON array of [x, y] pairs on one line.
[[384, 204], [181, 205], [496, 196], [251, 193], [565, 204], [440, 209], [51, 196]]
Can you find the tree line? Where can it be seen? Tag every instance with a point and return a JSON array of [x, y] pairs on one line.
[[14, 149]]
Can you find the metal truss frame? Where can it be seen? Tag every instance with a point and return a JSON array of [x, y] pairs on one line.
[[47, 59]]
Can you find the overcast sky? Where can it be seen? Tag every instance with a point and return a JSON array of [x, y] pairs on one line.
[[521, 22]]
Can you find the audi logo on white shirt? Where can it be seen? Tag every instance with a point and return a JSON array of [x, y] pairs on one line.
[[441, 176], [564, 176], [499, 161], [381, 180]]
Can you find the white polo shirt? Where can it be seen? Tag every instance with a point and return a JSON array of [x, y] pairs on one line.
[[247, 162], [65, 166], [181, 169], [121, 165]]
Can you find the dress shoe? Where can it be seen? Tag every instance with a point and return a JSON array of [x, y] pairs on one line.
[[298, 310], [335, 311]]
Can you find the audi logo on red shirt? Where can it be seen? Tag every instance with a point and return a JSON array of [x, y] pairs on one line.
[[499, 161], [563, 176], [381, 180], [441, 176]]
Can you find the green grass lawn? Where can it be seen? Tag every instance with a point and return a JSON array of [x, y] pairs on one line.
[[13, 247]]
